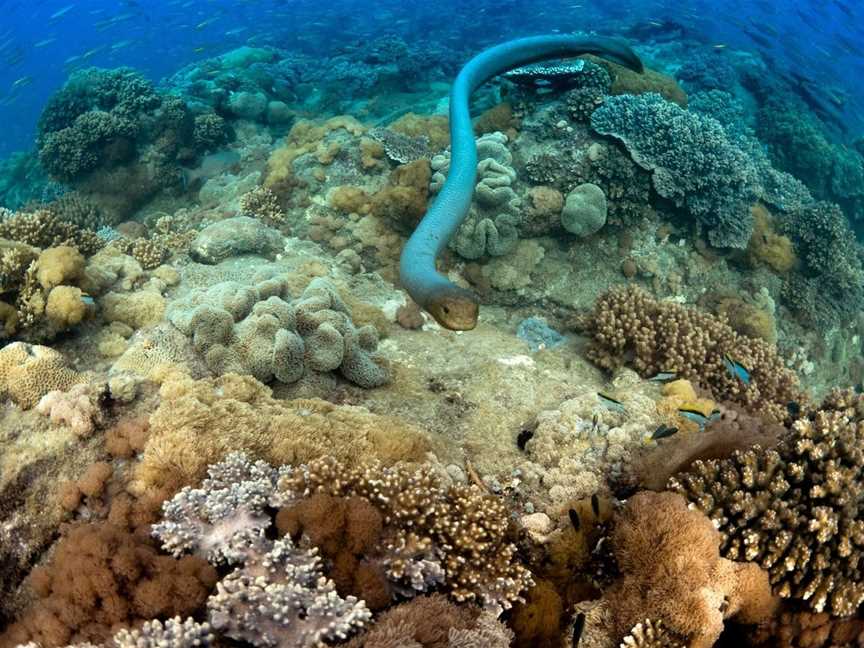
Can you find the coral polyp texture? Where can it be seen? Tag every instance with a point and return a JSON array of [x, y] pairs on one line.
[[456, 534], [629, 327], [794, 510], [254, 330], [692, 161]]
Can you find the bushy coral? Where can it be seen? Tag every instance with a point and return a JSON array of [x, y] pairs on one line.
[[252, 329], [830, 287], [693, 161], [628, 327], [453, 535], [672, 572], [794, 510], [103, 576]]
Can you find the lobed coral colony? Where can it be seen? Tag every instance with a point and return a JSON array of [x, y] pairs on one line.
[[226, 423]]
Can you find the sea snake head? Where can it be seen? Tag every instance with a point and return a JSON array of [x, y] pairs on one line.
[[454, 308]]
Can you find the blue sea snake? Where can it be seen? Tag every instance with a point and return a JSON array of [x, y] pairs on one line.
[[454, 307]]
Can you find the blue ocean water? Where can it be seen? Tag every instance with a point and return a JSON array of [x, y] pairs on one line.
[[816, 44]]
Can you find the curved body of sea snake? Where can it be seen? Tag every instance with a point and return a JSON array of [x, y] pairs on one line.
[[452, 306]]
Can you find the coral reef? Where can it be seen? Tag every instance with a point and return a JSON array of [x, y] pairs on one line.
[[200, 422], [627, 326], [795, 509], [455, 536], [693, 162], [830, 286], [102, 576], [253, 330], [672, 573], [491, 227]]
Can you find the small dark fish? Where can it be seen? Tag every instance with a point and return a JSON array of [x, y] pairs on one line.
[[663, 431], [595, 505], [524, 437], [611, 403], [574, 519], [737, 370], [578, 627], [793, 408]]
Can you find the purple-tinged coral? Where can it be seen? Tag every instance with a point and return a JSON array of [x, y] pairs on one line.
[[221, 519], [281, 598]]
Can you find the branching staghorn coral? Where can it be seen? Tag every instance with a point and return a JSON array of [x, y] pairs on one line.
[[492, 226], [627, 326], [428, 526], [795, 510]]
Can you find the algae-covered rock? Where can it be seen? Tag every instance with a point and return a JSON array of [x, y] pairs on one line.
[[235, 236], [585, 210]]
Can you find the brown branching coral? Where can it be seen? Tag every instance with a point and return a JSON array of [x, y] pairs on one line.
[[101, 577], [628, 326], [455, 535], [796, 510], [672, 572], [43, 229], [262, 203], [651, 634]]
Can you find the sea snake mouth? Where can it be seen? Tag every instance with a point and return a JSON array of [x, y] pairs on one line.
[[454, 307]]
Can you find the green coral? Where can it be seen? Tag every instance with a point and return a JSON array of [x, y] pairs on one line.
[[492, 226]]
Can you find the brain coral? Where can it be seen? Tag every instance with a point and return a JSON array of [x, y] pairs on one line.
[[253, 330], [491, 226], [693, 161], [795, 510]]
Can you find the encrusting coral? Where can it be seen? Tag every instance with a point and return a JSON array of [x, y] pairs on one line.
[[28, 372], [200, 422], [795, 510], [627, 326], [255, 330]]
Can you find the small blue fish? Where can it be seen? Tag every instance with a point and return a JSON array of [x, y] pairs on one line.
[[611, 404], [664, 376], [736, 369], [698, 417]]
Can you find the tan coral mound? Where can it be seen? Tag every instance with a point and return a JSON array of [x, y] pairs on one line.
[[672, 572], [199, 422], [628, 326], [29, 371]]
